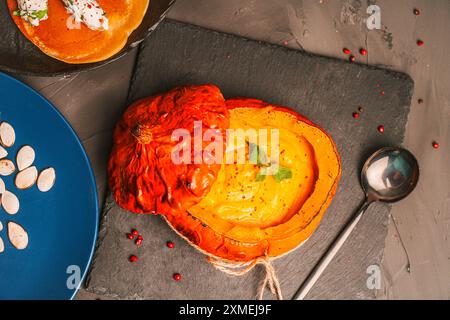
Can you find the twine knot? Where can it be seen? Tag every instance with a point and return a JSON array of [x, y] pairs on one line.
[[240, 269]]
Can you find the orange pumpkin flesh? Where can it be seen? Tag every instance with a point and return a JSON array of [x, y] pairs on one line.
[[142, 175], [83, 45], [241, 219]]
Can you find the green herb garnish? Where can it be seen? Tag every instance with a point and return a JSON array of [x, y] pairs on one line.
[[283, 173], [258, 156], [260, 176], [41, 14]]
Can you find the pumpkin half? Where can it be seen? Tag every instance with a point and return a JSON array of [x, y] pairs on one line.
[[83, 45], [142, 175], [244, 217]]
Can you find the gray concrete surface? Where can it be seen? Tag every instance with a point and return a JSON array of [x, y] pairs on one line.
[[323, 27]]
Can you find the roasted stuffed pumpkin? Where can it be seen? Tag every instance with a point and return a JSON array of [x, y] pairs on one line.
[[241, 211], [64, 31]]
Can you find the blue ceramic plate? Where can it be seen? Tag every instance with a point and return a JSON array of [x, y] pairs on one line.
[[61, 223]]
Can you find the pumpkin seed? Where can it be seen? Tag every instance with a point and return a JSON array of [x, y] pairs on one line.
[[25, 157], [7, 135], [3, 152], [10, 202], [17, 236], [2, 187], [46, 179], [2, 246], [7, 167], [26, 178]]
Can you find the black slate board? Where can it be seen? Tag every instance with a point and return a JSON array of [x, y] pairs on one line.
[[18, 55], [325, 90]]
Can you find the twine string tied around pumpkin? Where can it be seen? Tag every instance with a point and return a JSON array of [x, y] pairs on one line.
[[240, 269]]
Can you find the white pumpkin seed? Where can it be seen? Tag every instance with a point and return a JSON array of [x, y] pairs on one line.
[[25, 157], [46, 179], [2, 186], [1, 226], [2, 246], [10, 202], [26, 178], [3, 152], [7, 167], [7, 135], [17, 236]]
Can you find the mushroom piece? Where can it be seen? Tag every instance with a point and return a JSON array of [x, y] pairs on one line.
[[46, 179], [26, 178], [17, 236], [3, 152], [25, 157], [7, 167], [7, 135], [10, 202]]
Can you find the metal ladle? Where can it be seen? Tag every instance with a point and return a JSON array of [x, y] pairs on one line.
[[389, 175]]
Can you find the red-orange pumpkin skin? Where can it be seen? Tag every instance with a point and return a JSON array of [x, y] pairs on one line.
[[142, 176]]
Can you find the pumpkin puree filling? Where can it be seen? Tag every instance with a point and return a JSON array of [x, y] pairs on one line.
[[243, 218], [238, 199]]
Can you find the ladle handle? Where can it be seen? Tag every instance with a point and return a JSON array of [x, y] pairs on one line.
[[329, 255]]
